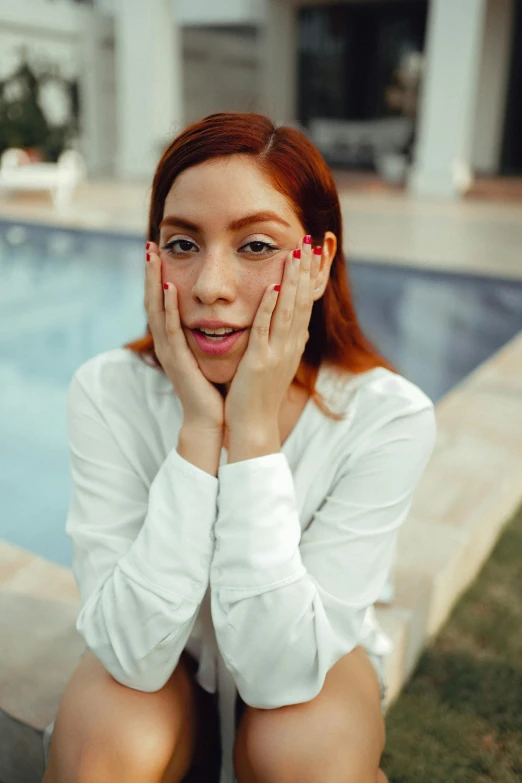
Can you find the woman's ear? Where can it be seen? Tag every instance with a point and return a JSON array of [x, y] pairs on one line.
[[328, 255]]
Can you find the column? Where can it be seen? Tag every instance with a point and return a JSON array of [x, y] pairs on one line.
[[278, 53], [148, 84], [97, 143], [447, 108]]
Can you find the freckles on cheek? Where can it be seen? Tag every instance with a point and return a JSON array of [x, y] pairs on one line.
[[256, 282], [177, 276]]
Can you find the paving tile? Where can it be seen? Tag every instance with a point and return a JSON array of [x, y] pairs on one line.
[[414, 595], [502, 373], [39, 650], [39, 644], [43, 579], [394, 622], [486, 414], [12, 559]]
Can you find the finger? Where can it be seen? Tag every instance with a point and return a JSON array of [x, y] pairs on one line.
[[284, 314], [154, 297], [145, 284], [153, 291], [260, 331], [303, 303], [314, 271], [173, 330]]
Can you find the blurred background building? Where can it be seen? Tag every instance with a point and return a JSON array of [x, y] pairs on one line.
[[426, 92]]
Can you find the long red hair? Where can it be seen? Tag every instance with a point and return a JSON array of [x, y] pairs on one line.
[[299, 172]]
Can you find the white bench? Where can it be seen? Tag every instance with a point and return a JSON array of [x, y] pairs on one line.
[[18, 173]]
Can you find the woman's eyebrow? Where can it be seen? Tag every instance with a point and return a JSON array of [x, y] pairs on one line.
[[256, 217]]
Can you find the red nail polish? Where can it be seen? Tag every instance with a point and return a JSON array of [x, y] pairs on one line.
[[307, 240], [277, 288], [318, 251], [166, 286], [148, 256], [297, 253], [147, 246]]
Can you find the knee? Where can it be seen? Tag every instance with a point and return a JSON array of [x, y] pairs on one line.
[[269, 750], [140, 745], [131, 749]]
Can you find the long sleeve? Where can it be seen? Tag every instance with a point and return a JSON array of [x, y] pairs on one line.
[[287, 606], [141, 554]]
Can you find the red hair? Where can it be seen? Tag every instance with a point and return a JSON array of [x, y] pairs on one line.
[[298, 171]]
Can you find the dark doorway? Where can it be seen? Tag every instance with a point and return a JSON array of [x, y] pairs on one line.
[[348, 55], [511, 157]]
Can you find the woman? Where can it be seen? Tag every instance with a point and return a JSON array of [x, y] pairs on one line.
[[237, 495]]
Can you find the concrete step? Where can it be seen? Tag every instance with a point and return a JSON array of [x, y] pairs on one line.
[[470, 490]]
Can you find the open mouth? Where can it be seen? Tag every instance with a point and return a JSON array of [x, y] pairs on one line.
[[217, 337], [216, 344]]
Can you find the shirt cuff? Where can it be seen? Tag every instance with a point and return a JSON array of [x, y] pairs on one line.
[[173, 550], [257, 528]]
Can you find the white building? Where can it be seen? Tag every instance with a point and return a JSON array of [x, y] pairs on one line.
[[148, 67]]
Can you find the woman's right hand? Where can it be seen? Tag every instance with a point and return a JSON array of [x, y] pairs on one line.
[[203, 405]]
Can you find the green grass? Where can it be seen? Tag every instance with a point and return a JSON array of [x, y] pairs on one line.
[[459, 719]]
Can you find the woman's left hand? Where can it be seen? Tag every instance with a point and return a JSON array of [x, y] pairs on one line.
[[276, 344]]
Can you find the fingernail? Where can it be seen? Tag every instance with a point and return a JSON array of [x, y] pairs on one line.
[[147, 246], [297, 253], [277, 288], [307, 240], [148, 256], [166, 286], [318, 251]]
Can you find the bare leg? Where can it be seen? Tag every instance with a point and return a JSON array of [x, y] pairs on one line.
[[107, 733]]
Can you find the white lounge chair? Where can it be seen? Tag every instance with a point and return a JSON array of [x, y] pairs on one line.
[[18, 173]]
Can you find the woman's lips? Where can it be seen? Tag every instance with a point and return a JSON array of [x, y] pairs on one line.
[[216, 347]]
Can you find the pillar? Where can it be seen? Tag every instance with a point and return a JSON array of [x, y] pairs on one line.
[[442, 164], [279, 61], [148, 84]]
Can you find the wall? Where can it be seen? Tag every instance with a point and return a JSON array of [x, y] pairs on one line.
[[221, 71], [492, 91], [219, 12]]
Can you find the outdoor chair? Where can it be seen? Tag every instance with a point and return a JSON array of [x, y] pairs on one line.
[[18, 173]]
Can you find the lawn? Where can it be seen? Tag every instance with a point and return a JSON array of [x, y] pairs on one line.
[[459, 719]]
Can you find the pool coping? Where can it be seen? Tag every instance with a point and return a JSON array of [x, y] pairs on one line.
[[469, 491]]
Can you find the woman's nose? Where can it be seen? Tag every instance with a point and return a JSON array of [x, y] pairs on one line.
[[215, 279]]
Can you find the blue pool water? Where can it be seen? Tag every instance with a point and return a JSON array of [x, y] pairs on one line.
[[68, 295]]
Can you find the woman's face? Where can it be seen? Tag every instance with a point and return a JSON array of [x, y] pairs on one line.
[[224, 238]]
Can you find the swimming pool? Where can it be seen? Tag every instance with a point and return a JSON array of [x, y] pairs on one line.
[[68, 295]]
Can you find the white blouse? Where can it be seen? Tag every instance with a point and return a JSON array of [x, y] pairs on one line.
[[266, 574]]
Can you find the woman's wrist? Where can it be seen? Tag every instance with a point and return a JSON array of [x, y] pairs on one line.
[[252, 442], [201, 446]]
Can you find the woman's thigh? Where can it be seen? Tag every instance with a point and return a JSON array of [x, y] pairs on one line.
[[99, 718], [339, 735], [378, 665]]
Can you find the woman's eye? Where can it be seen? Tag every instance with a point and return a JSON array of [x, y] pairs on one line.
[[177, 246], [260, 248]]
